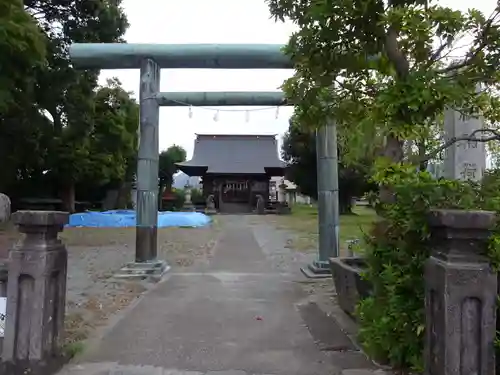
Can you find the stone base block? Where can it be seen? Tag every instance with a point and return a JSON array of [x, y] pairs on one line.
[[144, 270], [460, 317], [188, 207], [283, 209], [349, 284], [317, 270], [38, 367], [210, 211]]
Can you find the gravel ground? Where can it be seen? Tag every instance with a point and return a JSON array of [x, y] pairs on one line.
[[275, 243], [95, 254], [302, 227]]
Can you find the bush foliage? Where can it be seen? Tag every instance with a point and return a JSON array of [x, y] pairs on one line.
[[392, 320], [175, 204], [197, 197]]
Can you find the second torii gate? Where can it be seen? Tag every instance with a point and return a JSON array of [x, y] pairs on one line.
[[150, 59]]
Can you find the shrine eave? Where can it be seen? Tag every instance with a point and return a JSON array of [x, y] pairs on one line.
[[202, 170], [192, 169], [275, 171]]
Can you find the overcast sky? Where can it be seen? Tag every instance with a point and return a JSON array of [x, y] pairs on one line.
[[215, 21], [203, 21]]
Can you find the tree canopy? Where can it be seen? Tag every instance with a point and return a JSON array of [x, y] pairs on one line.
[[66, 93], [299, 152], [386, 71], [22, 48], [167, 168], [91, 131], [22, 52], [113, 139]]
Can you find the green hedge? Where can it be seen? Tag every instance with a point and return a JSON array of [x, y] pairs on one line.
[[392, 320]]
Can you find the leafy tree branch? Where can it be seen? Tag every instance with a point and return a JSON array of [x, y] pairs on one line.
[[494, 136], [482, 41]]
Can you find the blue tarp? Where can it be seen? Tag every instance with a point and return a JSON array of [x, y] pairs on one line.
[[126, 218]]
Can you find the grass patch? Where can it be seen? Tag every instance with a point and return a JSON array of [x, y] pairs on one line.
[[97, 237], [304, 223], [73, 349]]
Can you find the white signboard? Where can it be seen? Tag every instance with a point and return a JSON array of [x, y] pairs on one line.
[[3, 309]]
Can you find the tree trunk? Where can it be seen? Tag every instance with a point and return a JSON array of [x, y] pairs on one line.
[[68, 197], [421, 156], [345, 207], [123, 200], [393, 151], [161, 190]]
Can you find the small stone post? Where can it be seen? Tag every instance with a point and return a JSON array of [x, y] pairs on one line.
[[460, 295], [4, 208], [261, 205], [36, 295]]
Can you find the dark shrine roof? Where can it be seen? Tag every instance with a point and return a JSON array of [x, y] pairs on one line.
[[234, 154]]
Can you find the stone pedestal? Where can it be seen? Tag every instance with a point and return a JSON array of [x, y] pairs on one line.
[[210, 209], [461, 293], [36, 295], [261, 205], [188, 204]]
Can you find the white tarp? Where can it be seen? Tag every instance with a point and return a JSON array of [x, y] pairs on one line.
[[3, 308]]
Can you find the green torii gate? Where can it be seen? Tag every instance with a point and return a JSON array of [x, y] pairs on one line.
[[150, 58]]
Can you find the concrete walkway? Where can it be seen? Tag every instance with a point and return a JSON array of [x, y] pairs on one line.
[[238, 315]]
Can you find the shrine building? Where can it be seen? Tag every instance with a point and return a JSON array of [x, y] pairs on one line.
[[235, 169]]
